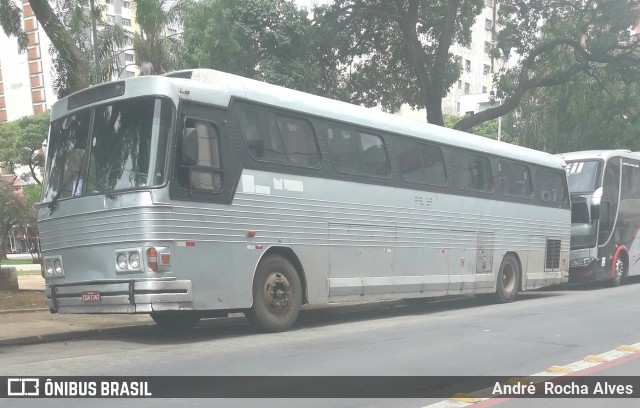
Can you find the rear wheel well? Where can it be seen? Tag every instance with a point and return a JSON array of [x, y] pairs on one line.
[[290, 256]]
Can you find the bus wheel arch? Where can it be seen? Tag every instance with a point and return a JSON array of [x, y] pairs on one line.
[[291, 256], [509, 280], [619, 266], [277, 290]]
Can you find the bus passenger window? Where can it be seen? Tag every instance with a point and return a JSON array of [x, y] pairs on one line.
[[421, 162], [356, 152], [278, 138], [473, 172]]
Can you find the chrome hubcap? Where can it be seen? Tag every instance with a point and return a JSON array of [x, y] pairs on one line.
[[619, 269]]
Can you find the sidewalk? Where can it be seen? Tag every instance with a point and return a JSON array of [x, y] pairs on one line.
[[39, 325]]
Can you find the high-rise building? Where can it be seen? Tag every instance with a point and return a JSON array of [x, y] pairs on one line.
[[25, 79]]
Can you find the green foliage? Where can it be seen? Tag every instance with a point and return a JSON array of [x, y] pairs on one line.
[[588, 112], [488, 129], [14, 210], [549, 43], [397, 52], [32, 192], [11, 22], [21, 140], [153, 44], [267, 40]]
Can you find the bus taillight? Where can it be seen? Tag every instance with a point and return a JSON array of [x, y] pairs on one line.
[[152, 259]]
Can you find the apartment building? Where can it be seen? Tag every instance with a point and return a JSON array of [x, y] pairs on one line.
[[25, 79]]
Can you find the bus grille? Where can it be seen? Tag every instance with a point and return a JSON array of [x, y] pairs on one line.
[[552, 260]]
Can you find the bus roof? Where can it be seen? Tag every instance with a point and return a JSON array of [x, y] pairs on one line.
[[599, 155]]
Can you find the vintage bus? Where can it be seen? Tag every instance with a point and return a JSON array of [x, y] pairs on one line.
[[605, 219], [199, 193]]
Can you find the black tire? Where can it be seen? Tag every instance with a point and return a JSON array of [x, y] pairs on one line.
[[508, 282], [175, 320], [619, 269], [277, 295]]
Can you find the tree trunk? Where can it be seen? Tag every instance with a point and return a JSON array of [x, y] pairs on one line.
[[64, 44]]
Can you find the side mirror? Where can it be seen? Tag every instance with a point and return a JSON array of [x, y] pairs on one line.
[[189, 147], [596, 199]]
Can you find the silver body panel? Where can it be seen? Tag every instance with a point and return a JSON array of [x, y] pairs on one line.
[[355, 242]]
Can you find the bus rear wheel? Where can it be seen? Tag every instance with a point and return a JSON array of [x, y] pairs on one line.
[[508, 281], [277, 295], [175, 320]]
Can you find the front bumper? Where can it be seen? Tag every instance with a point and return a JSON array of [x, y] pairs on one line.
[[589, 273], [121, 296]]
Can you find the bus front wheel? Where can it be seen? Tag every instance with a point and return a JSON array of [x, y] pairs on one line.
[[175, 320], [618, 272], [277, 295], [508, 281]]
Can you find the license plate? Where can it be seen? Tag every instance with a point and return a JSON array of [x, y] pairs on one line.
[[90, 296]]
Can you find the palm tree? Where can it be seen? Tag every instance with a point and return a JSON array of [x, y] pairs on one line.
[[157, 40]]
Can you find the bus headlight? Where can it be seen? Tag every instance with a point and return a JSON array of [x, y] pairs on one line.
[[134, 260], [57, 267], [121, 261], [48, 269]]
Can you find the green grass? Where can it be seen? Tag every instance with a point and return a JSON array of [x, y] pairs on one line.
[[34, 272]]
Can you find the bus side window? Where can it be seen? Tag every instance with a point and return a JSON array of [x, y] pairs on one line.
[[206, 173]]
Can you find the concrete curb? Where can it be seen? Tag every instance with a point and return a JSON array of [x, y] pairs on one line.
[[39, 309], [73, 335], [133, 329]]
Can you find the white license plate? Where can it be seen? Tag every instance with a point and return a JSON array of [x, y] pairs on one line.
[[90, 296]]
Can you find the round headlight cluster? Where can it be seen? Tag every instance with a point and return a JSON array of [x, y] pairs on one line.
[[128, 260]]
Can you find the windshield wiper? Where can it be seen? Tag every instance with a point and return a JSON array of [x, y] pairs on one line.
[[54, 201]]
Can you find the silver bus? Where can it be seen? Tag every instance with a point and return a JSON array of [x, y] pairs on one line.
[[605, 220], [200, 193]]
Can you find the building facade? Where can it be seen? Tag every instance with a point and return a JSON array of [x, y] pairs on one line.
[[25, 79]]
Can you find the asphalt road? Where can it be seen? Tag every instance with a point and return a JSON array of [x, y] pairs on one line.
[[455, 337]]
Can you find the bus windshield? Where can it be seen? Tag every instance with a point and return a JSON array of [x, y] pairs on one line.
[[108, 148], [583, 176]]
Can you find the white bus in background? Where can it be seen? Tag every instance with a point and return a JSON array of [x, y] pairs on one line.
[[199, 193], [605, 196]]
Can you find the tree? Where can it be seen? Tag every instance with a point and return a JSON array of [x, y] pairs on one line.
[[153, 43], [585, 113], [67, 25], [267, 40], [554, 41], [14, 210], [21, 141], [399, 51]]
